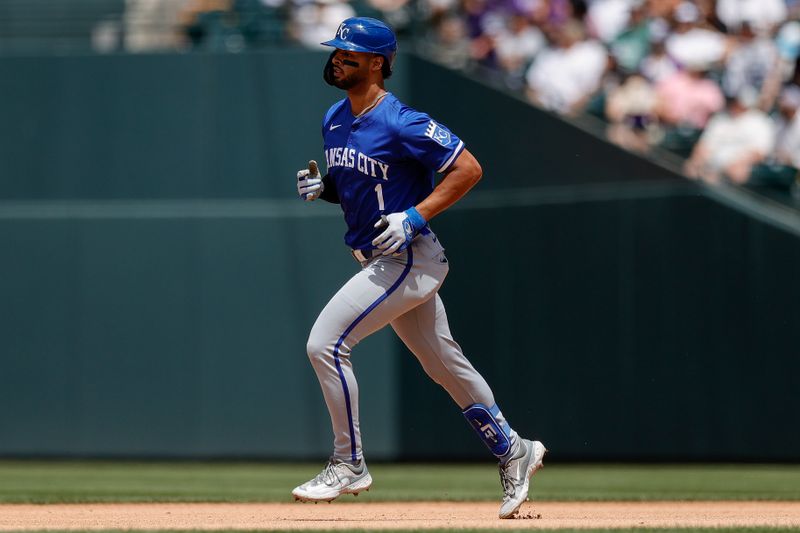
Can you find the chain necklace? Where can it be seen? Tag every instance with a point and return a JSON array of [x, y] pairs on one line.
[[373, 104]]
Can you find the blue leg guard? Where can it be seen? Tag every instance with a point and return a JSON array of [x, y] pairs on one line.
[[496, 434]]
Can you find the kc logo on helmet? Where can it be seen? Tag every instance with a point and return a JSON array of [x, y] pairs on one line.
[[343, 31]]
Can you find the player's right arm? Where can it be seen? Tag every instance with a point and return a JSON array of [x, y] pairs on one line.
[[400, 228], [462, 175], [436, 148]]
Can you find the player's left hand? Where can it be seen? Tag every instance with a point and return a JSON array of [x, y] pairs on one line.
[[400, 230]]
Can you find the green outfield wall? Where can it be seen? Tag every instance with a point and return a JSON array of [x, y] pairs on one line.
[[158, 277], [627, 329], [160, 126]]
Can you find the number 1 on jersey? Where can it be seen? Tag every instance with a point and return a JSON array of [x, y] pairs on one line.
[[379, 191]]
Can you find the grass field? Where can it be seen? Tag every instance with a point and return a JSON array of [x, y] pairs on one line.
[[51, 482], [77, 481]]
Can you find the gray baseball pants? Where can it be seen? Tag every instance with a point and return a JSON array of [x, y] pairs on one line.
[[399, 290]]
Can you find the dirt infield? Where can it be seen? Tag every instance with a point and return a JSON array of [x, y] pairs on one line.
[[417, 515]]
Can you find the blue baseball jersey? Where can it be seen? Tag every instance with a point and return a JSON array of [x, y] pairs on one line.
[[383, 162]]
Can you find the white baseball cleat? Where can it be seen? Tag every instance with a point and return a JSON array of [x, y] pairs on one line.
[[515, 475], [336, 478]]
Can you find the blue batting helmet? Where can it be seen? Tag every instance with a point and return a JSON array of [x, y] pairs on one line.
[[364, 34]]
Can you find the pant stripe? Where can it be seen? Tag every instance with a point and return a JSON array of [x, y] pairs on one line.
[[344, 336]]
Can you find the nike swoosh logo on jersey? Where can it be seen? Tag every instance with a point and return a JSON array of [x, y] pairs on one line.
[[334, 127]]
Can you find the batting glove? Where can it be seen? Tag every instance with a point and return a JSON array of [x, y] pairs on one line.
[[309, 187], [400, 230]]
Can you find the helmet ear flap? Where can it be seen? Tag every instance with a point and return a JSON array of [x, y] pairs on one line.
[[386, 68], [327, 72]]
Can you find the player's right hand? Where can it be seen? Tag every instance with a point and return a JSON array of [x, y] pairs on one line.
[[309, 186], [399, 229]]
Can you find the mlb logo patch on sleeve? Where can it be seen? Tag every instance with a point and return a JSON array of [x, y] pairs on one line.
[[437, 133]]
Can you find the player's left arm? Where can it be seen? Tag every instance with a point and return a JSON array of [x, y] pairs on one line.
[[462, 175]]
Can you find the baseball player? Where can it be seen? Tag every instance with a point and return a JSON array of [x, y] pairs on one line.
[[381, 159]]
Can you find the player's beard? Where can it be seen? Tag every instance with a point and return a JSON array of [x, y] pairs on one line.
[[347, 82]]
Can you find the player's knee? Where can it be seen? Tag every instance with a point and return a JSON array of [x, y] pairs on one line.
[[313, 348], [317, 347]]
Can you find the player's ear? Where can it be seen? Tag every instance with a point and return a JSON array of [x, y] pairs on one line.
[[377, 62]]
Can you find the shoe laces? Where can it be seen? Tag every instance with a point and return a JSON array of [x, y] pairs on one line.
[[329, 474], [507, 480]]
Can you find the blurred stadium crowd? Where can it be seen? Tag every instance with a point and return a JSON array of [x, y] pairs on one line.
[[715, 81]]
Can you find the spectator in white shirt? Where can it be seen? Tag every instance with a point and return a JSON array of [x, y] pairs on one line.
[[517, 45], [692, 45], [761, 14], [733, 142], [750, 62], [608, 18], [565, 75]]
